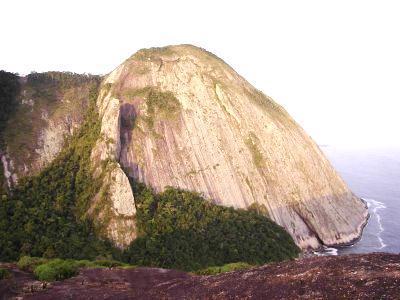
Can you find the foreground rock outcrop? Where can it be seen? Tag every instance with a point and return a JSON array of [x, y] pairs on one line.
[[365, 276], [179, 116]]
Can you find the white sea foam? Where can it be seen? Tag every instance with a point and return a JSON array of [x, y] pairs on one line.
[[331, 251], [326, 251], [375, 207]]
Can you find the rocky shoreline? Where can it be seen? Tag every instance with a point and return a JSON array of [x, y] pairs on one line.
[[357, 276], [322, 249], [362, 227]]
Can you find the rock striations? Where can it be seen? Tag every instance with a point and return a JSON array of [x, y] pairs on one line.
[[179, 116]]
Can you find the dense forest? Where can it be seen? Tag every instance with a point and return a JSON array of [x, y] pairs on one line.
[[45, 216], [60, 79], [9, 90], [180, 229]]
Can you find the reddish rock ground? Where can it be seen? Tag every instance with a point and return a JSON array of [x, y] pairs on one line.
[[366, 276]]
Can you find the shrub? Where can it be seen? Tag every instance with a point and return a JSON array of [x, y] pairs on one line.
[[56, 269], [4, 273], [59, 269], [28, 263], [225, 268], [100, 263]]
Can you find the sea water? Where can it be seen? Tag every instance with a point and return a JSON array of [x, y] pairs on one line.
[[374, 175]]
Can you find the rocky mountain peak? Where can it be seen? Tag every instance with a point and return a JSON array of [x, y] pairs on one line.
[[179, 116]]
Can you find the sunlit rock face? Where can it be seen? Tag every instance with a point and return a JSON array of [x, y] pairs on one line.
[[179, 116]]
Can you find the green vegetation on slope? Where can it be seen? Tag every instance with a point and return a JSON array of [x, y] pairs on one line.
[[45, 214], [56, 269], [252, 143], [179, 229], [28, 263], [160, 104], [225, 268], [9, 90], [58, 80]]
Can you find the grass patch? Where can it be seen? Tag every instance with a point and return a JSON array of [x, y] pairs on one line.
[[225, 268], [28, 263], [109, 263], [153, 53], [259, 208], [252, 143], [56, 269], [159, 104]]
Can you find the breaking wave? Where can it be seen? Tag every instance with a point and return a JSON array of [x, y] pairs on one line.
[[325, 251], [374, 207]]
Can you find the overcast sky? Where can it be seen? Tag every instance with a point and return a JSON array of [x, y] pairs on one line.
[[334, 65]]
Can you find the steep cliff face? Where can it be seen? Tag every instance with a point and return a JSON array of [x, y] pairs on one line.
[[179, 116], [51, 106], [114, 206]]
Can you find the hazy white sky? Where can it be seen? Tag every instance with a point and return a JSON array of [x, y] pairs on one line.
[[334, 65]]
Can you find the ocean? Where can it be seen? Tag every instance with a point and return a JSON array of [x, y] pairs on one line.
[[373, 175]]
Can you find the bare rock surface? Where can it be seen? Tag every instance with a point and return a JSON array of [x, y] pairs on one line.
[[122, 227], [116, 200], [19, 284], [188, 120], [362, 276]]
